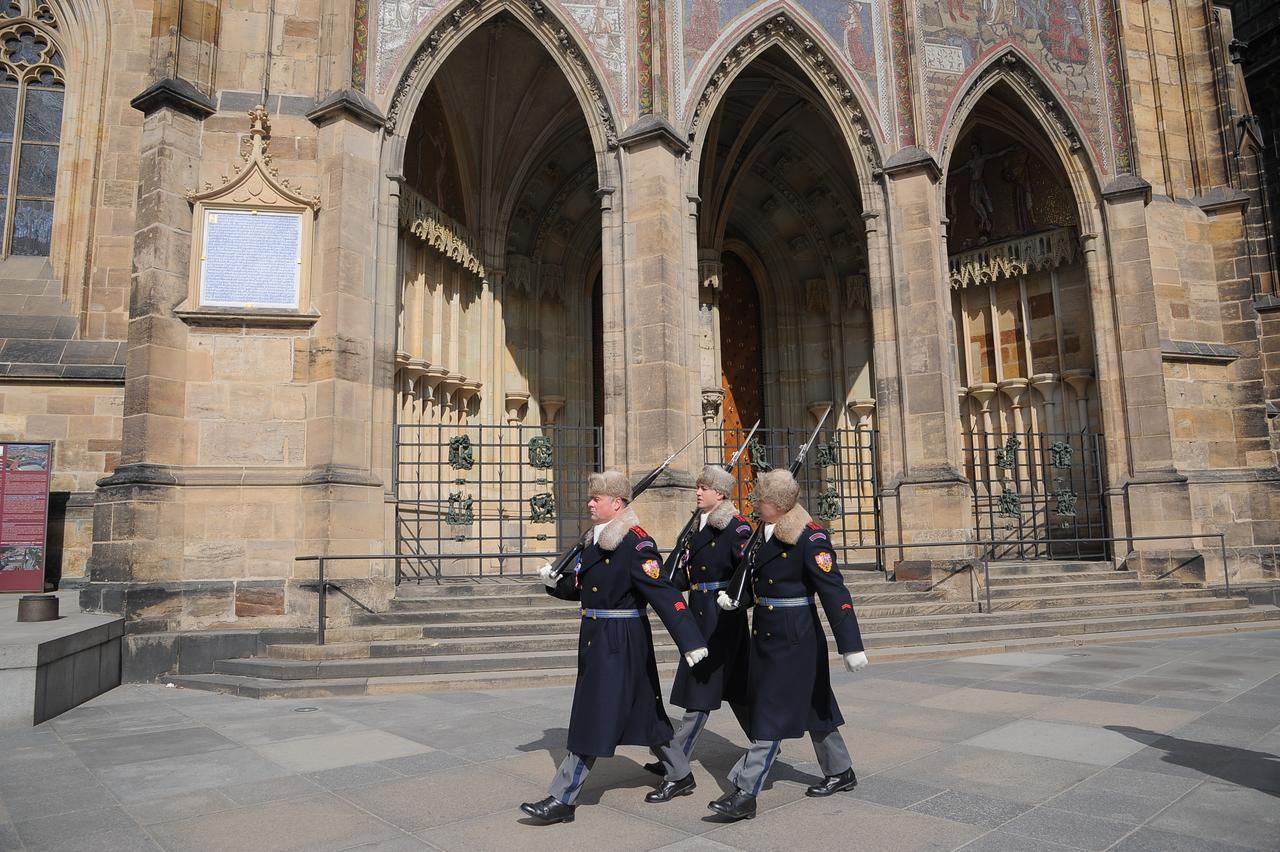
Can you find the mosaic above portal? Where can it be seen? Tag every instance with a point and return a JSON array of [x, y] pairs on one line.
[[601, 26]]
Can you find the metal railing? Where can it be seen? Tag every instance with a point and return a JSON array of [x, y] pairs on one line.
[[323, 586]]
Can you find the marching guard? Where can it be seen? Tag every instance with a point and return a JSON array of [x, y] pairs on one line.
[[702, 565], [617, 699], [788, 680]]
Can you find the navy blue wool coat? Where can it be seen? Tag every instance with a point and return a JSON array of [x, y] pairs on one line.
[[788, 677], [617, 699], [711, 556]]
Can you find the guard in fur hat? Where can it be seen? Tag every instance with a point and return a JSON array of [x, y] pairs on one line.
[[702, 565], [617, 699], [788, 680]]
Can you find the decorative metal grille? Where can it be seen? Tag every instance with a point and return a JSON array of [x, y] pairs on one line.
[[483, 500], [1038, 485], [838, 482]]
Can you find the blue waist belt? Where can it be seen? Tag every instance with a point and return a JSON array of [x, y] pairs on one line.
[[610, 613], [710, 587], [784, 601]]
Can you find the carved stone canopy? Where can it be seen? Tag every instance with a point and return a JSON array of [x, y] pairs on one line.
[[255, 181]]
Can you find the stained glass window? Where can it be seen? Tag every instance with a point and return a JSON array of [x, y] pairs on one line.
[[32, 89]]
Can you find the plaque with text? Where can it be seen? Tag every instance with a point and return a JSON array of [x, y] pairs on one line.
[[24, 515], [251, 259]]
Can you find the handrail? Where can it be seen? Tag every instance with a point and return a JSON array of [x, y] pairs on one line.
[[323, 585]]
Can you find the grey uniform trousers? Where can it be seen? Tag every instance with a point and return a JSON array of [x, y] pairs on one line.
[[575, 768], [751, 770], [694, 721]]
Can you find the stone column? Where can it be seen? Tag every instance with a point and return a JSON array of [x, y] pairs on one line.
[[139, 521], [933, 500], [656, 314], [551, 408], [1156, 496], [515, 402], [1046, 384]]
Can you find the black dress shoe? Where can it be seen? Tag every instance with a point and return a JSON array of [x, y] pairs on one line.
[[656, 768], [549, 811], [668, 790], [833, 784], [735, 805]]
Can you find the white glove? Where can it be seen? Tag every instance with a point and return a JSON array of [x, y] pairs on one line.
[[856, 662], [695, 656], [545, 572], [725, 602]]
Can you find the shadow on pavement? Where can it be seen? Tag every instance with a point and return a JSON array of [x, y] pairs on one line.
[[1243, 767], [716, 754]]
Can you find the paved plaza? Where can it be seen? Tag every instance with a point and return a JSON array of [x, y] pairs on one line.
[[1160, 746]]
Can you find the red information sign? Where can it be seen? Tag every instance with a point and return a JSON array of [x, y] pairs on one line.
[[24, 515]]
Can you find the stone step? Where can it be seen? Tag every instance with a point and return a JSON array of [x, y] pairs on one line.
[[859, 580], [1058, 579], [1021, 567], [486, 638], [266, 688], [1098, 599], [1118, 584], [1075, 627]]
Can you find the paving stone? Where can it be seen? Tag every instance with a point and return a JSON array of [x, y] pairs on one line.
[[460, 793], [1000, 841], [421, 764], [405, 843], [1122, 807], [9, 839], [179, 807], [154, 745], [51, 830], [156, 779], [592, 828], [893, 792], [347, 777], [257, 730], [119, 840], [1151, 785], [1076, 743], [277, 789], [316, 824], [1101, 713], [838, 822], [1079, 831], [980, 700], [314, 754], [1225, 813], [999, 774], [1227, 729], [970, 808], [1153, 840]]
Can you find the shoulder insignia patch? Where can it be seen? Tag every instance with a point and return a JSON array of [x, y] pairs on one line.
[[814, 525], [818, 536], [652, 569], [823, 561], [745, 528], [680, 606], [639, 530], [645, 544], [846, 606]]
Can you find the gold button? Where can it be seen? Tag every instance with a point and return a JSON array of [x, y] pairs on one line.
[[768, 635], [594, 589], [784, 556], [704, 567], [770, 581], [606, 561], [770, 607], [755, 632], [713, 544], [588, 643]]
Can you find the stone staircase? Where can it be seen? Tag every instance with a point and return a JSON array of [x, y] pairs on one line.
[[507, 632]]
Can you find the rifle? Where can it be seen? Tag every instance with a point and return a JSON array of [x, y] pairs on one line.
[[682, 540], [566, 559], [757, 535]]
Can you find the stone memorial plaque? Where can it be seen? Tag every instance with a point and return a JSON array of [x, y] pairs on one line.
[[251, 259]]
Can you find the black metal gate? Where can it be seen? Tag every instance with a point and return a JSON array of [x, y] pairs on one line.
[[838, 483], [483, 500], [1039, 493]]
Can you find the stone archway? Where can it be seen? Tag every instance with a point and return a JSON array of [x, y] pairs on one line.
[[499, 239]]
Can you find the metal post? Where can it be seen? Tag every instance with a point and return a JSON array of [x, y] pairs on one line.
[[323, 586], [986, 578], [1226, 573]]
